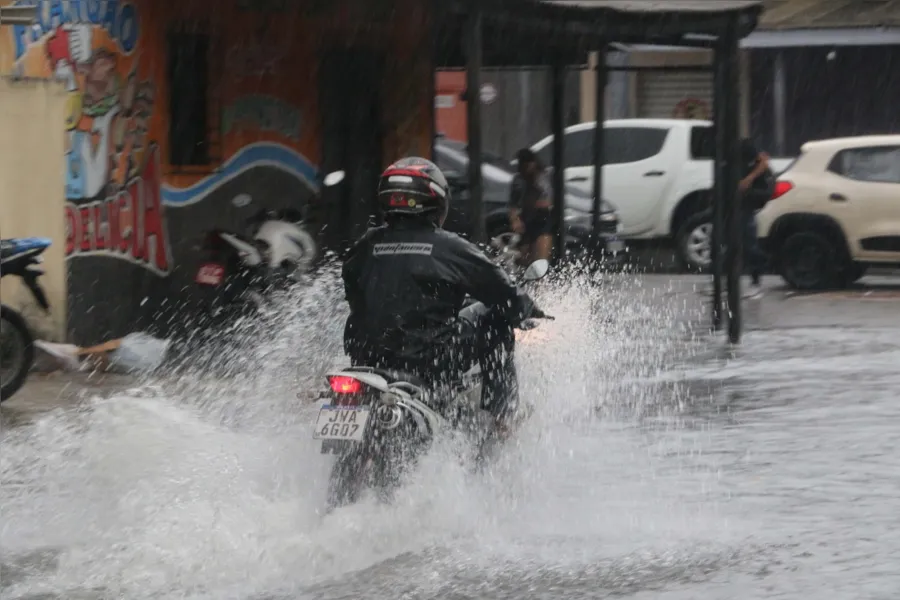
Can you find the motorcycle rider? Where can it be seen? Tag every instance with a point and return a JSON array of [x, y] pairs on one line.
[[407, 282]]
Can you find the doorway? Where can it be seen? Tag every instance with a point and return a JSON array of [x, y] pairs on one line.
[[350, 99]]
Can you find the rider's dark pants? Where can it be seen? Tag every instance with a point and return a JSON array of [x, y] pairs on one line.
[[490, 342], [483, 337]]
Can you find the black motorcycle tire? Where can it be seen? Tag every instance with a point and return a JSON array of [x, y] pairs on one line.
[[347, 479], [380, 470], [17, 323]]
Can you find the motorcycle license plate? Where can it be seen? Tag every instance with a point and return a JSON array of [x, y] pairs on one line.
[[615, 245], [210, 274], [347, 423]]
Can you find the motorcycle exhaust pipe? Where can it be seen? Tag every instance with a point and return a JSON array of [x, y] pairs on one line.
[[391, 412], [388, 417]]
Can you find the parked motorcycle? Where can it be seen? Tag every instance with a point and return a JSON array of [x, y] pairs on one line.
[[379, 422], [242, 269], [19, 257]]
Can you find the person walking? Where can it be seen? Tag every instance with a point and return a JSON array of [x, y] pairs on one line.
[[756, 187], [530, 208]]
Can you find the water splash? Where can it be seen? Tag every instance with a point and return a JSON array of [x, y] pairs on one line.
[[211, 487]]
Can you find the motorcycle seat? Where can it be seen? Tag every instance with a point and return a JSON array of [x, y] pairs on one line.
[[393, 376]]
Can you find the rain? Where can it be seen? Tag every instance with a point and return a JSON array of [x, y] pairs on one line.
[[706, 396]]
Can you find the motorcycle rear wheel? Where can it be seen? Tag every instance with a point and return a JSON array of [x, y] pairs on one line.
[[16, 352], [347, 479], [380, 469]]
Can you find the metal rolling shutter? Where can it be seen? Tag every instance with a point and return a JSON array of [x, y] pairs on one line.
[[660, 93]]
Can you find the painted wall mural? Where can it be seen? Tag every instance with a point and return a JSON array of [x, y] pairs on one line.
[[134, 224], [113, 172]]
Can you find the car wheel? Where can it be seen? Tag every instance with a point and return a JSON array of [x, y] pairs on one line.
[[853, 273], [694, 243], [807, 261]]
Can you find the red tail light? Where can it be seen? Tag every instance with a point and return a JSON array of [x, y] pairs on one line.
[[341, 384], [782, 188]]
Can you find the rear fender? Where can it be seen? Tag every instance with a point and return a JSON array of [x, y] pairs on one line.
[[30, 279], [398, 396]]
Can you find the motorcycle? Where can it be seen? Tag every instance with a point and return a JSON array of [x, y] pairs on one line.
[[241, 270], [377, 422], [19, 257]]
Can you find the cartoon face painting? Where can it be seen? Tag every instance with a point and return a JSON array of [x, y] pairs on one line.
[[107, 113]]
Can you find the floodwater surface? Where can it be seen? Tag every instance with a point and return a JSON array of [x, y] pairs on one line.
[[656, 465]]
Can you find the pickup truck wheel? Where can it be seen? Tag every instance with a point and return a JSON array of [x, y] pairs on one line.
[[807, 261], [694, 243]]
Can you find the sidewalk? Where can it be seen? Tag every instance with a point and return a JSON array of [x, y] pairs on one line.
[[45, 391]]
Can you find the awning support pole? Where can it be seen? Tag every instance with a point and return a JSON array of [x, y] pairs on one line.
[[731, 124], [557, 126], [602, 75], [718, 197], [474, 59]]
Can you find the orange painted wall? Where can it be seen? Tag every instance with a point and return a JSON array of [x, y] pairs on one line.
[[258, 55], [451, 120], [123, 200]]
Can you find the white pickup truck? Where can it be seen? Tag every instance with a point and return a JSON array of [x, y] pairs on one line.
[[658, 175]]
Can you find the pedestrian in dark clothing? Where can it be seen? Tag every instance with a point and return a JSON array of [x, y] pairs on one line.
[[755, 187], [530, 207]]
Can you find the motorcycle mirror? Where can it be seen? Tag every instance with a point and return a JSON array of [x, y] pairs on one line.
[[537, 270], [333, 178], [242, 200]]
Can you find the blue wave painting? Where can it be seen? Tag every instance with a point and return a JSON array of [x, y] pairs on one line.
[[255, 155]]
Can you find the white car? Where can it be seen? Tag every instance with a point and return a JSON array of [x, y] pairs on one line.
[[658, 174], [835, 212]]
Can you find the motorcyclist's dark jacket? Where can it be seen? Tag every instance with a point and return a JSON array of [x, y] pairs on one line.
[[406, 283]]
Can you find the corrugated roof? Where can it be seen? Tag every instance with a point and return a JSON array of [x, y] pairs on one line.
[[661, 6], [827, 14]]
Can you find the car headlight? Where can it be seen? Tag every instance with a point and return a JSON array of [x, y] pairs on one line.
[[608, 212], [573, 216], [607, 215]]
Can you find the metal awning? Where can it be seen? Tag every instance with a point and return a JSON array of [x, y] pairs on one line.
[[536, 32]]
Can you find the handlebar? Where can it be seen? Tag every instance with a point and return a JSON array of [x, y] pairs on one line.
[[537, 313], [473, 308]]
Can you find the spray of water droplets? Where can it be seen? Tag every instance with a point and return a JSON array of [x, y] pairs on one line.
[[207, 484]]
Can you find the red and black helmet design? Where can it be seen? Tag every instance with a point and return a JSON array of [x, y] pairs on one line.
[[414, 186]]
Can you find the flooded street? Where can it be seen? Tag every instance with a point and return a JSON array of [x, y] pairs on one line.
[[657, 464]]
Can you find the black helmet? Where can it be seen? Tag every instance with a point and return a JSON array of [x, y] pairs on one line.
[[414, 186]]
